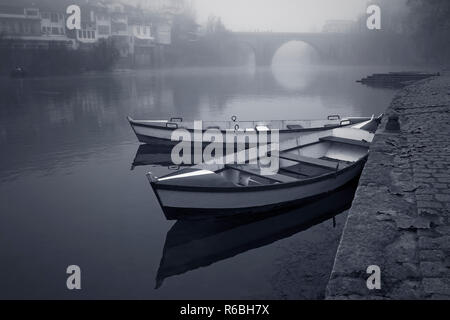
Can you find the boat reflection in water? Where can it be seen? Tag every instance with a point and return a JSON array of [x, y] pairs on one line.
[[153, 154], [158, 154], [191, 244]]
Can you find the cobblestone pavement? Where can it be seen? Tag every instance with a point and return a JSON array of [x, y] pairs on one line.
[[399, 219]]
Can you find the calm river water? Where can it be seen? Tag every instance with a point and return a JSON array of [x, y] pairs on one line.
[[68, 196]]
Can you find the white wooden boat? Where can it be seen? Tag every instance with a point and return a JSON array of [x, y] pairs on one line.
[[160, 131], [191, 244], [308, 166]]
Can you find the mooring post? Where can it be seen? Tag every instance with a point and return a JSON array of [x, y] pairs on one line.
[[393, 125]]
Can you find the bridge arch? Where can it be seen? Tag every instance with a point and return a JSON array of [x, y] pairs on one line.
[[266, 44], [296, 52], [264, 52]]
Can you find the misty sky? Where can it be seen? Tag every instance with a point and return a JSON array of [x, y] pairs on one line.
[[278, 15]]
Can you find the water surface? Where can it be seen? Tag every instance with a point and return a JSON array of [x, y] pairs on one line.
[[68, 196]]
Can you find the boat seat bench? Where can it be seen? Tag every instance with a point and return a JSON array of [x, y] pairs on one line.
[[314, 161], [294, 127], [358, 143], [304, 171], [275, 177]]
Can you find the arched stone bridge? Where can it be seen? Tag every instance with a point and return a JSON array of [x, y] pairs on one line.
[[330, 46]]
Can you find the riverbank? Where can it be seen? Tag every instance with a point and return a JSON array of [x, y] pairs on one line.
[[399, 218]]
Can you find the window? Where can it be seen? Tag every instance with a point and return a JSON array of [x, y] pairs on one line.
[[80, 35], [84, 34], [31, 12], [53, 17], [55, 30], [44, 15], [119, 27], [103, 30]]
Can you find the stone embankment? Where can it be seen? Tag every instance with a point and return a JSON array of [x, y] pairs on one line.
[[400, 217]]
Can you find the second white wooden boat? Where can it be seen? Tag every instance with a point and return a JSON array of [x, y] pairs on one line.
[[160, 131]]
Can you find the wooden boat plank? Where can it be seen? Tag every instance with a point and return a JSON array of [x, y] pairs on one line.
[[275, 177], [308, 160], [282, 178], [359, 143], [205, 180], [289, 171], [294, 126], [307, 170]]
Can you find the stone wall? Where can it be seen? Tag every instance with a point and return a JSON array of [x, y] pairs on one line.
[[399, 219]]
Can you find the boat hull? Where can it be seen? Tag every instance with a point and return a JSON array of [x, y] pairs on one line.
[[151, 133], [180, 203]]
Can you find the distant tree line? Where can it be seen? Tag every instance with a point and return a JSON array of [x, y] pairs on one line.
[[215, 47], [425, 23], [430, 26]]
